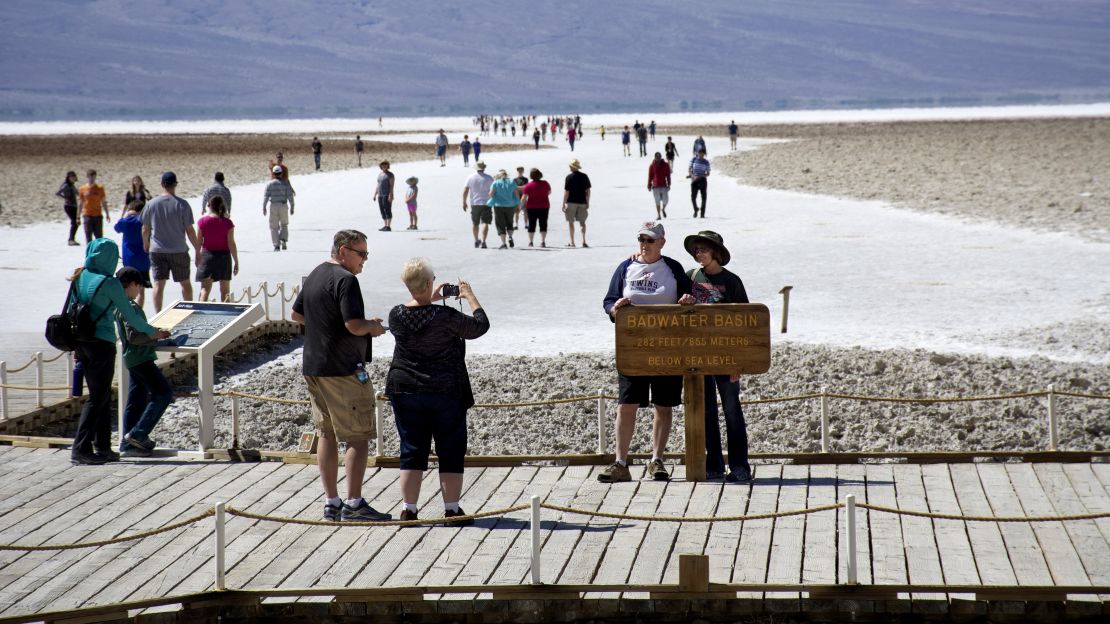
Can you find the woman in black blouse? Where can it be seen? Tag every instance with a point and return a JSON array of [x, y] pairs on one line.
[[429, 386]]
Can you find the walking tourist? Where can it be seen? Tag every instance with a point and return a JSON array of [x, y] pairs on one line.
[[659, 184], [317, 147], [281, 199], [383, 194], [504, 200], [94, 208], [167, 222], [130, 226], [217, 188], [477, 189], [733, 134], [535, 198], [576, 200], [699, 181], [441, 148], [359, 147], [464, 147], [219, 257]]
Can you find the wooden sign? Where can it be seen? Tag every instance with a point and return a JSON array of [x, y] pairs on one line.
[[717, 339]]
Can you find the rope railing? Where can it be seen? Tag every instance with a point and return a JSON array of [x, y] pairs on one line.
[[593, 513]]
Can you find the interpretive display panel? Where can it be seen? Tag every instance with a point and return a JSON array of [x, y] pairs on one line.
[[195, 324], [717, 339]]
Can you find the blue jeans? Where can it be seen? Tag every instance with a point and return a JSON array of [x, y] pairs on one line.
[[148, 396], [735, 428]]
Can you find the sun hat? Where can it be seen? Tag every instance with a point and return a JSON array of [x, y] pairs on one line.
[[711, 238], [480, 165], [412, 180], [278, 169], [654, 229], [169, 178], [574, 164]]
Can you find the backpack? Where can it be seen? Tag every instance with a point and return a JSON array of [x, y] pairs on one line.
[[75, 324]]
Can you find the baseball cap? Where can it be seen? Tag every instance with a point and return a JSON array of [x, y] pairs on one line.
[[130, 275], [169, 178], [652, 229], [278, 169]]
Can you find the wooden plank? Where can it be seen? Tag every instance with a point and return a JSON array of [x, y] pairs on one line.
[[1094, 498], [718, 540], [851, 479], [241, 534], [888, 555], [386, 548], [80, 513], [753, 551], [553, 484], [1091, 544], [1025, 553], [157, 566], [569, 529], [53, 577], [922, 555], [587, 553], [397, 552], [953, 544], [992, 562], [1059, 552], [472, 564], [784, 564], [819, 555], [616, 563], [658, 545], [314, 551]]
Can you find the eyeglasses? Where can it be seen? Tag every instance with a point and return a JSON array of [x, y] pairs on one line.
[[361, 254], [644, 240]]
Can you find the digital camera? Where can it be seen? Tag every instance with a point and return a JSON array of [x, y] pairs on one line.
[[450, 290]]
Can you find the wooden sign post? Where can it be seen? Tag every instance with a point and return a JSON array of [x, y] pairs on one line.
[[694, 341]]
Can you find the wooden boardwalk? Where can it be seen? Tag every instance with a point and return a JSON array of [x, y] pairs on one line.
[[43, 499]]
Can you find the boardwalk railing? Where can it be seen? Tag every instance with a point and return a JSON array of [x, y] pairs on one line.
[[693, 569]]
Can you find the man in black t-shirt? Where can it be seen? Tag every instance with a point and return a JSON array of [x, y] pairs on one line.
[[576, 200], [336, 346]]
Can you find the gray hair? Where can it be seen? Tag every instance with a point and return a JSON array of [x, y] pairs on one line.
[[345, 238], [416, 273]]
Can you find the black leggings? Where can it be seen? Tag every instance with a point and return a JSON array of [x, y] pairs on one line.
[[698, 186], [94, 429], [537, 215], [71, 212]]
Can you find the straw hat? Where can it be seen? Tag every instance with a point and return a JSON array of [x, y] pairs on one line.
[[574, 164]]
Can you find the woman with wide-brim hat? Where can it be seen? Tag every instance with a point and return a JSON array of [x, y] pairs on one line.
[[712, 283]]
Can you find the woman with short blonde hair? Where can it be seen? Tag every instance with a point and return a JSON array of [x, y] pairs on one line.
[[428, 384]]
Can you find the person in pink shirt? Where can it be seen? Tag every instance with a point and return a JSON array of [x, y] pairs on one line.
[[219, 258], [659, 183], [535, 198]]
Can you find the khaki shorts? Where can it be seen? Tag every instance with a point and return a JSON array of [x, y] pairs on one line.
[[342, 408], [577, 212]]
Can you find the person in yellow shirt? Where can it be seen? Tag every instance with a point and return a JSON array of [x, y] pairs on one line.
[[94, 210]]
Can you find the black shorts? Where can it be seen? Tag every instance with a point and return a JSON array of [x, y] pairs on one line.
[[214, 265], [666, 391]]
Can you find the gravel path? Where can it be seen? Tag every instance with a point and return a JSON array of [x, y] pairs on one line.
[[793, 426]]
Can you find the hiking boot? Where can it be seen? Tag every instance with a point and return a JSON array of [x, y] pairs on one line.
[[616, 473], [82, 458], [447, 513], [146, 445], [332, 513], [407, 515], [713, 475], [744, 475], [363, 512], [658, 471], [136, 452]]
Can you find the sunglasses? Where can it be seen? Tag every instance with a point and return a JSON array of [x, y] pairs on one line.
[[644, 240], [361, 254]]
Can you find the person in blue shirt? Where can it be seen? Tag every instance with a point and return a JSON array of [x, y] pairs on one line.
[[134, 256]]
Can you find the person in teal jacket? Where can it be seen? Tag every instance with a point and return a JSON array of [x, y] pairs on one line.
[[504, 199], [96, 285]]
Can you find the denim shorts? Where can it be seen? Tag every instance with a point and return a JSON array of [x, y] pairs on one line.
[[423, 418]]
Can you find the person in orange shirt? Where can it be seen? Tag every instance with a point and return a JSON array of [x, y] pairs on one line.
[[94, 210]]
